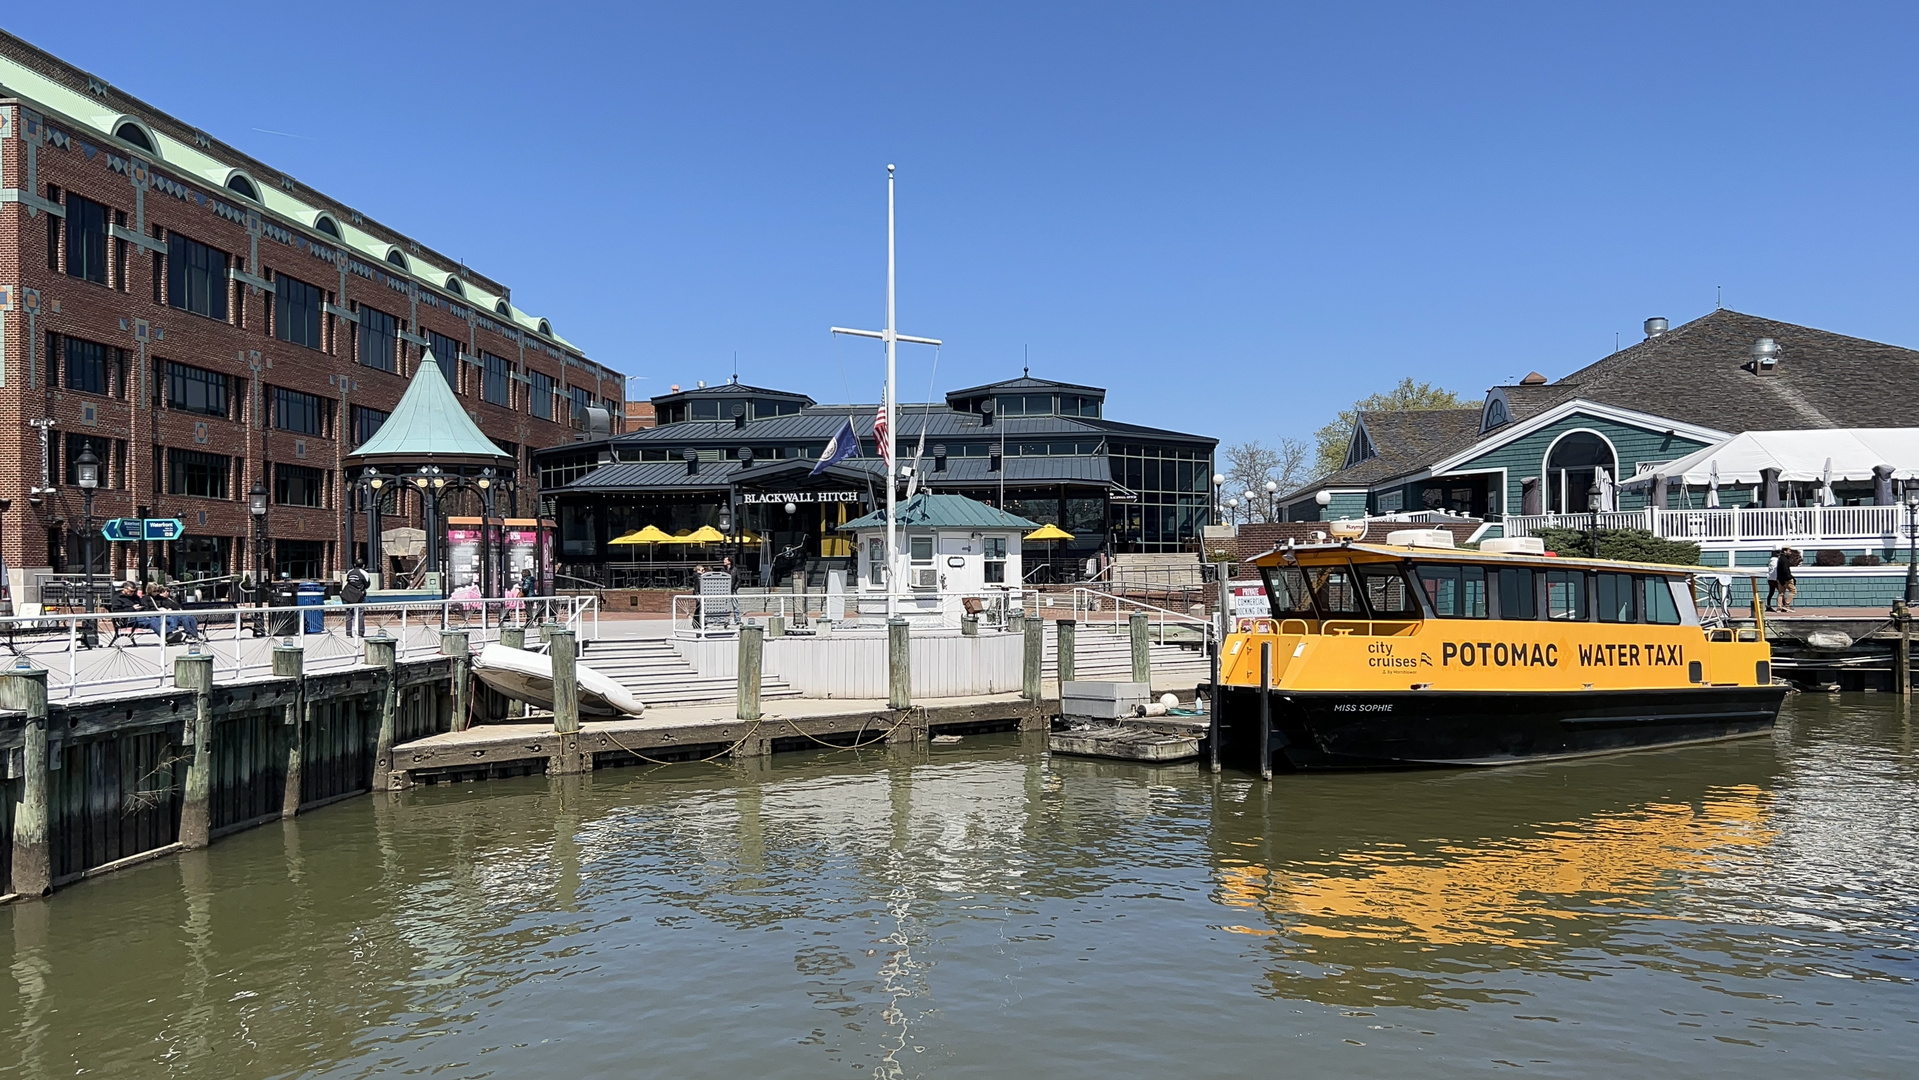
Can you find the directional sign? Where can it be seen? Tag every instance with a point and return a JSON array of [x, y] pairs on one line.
[[127, 529]]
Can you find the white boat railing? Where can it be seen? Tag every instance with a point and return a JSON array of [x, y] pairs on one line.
[[104, 653], [1093, 607], [1734, 525]]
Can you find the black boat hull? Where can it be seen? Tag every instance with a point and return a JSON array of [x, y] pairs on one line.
[[1429, 728]]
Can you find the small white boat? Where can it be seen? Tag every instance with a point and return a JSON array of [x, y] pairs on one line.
[[528, 676]]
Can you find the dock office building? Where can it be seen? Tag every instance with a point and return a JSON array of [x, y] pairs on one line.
[[739, 458]]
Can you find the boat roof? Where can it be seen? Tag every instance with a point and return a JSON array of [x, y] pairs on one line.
[[1321, 554]]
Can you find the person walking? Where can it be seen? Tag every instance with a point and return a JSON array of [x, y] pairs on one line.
[[353, 591], [1772, 577], [1788, 581]]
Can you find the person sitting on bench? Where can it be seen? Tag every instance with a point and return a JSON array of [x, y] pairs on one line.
[[186, 627], [128, 601]]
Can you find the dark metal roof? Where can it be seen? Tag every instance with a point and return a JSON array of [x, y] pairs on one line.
[[818, 423], [974, 472], [627, 475], [730, 389], [1024, 382]]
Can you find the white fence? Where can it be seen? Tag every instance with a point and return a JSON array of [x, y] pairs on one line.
[[945, 664], [1756, 525], [101, 654], [722, 615]]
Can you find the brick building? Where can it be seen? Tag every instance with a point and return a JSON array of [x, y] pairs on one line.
[[206, 323]]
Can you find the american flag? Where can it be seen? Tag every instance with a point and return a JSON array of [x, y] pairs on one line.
[[884, 435]]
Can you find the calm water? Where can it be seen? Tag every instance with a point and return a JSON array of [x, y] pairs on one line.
[[1748, 909]]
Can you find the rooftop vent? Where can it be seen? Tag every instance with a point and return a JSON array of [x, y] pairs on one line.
[[739, 414], [674, 389], [1655, 326], [692, 459], [939, 457], [1533, 378], [745, 454], [701, 385], [1765, 356]]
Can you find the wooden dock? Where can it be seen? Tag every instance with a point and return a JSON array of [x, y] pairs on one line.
[[704, 732]]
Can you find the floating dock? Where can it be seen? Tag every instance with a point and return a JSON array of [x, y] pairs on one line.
[[1124, 742]]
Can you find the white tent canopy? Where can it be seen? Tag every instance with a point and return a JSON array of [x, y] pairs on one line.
[[1800, 456]]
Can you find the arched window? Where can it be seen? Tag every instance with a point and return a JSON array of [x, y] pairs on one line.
[[1495, 414], [327, 225], [453, 286], [546, 328], [240, 184], [133, 133], [396, 257], [500, 308], [1571, 468]]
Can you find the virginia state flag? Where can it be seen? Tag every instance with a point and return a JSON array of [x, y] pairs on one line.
[[844, 445]]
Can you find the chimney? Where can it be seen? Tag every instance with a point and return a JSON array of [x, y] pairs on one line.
[[692, 458], [1765, 356], [1655, 326], [939, 457]]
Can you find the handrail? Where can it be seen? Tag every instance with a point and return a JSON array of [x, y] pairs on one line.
[[721, 615], [96, 653]]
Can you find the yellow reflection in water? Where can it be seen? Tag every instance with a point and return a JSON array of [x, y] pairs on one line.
[[1502, 891]]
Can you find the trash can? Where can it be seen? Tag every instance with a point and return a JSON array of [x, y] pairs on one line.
[[313, 595], [282, 594]]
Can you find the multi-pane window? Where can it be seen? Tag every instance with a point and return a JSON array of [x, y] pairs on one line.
[[581, 399], [496, 380], [446, 351], [300, 559], [540, 394], [297, 485], [1566, 595], [193, 389], [1615, 598], [102, 449], [190, 472], [86, 239], [84, 365], [1174, 498], [1078, 405], [196, 277], [379, 339], [995, 560], [1455, 592], [296, 311], [366, 423], [301, 412]]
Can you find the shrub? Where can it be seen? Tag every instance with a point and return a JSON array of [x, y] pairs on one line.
[[1829, 557], [1629, 545], [1868, 559]]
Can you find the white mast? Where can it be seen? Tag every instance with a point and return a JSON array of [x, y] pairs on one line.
[[892, 337]]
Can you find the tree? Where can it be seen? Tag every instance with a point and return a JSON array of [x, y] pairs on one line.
[[1408, 396], [1250, 465]]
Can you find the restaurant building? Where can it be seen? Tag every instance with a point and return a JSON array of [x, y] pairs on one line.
[[740, 459]]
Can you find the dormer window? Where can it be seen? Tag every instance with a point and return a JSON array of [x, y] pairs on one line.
[[500, 308], [325, 223], [241, 185], [1495, 414], [134, 135], [396, 257], [453, 286], [1361, 448]]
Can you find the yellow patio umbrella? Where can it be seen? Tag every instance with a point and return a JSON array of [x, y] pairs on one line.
[[652, 534], [1049, 532], [705, 534], [630, 538]]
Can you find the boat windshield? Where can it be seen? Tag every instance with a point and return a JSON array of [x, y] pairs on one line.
[[1378, 591]]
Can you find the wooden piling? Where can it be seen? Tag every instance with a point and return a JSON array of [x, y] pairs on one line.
[[25, 688], [899, 665], [1068, 641], [1035, 653], [289, 662], [514, 637], [1902, 650], [1265, 710], [453, 643], [562, 647], [969, 625], [776, 625], [382, 652], [752, 648], [1213, 698], [194, 672], [1142, 649]]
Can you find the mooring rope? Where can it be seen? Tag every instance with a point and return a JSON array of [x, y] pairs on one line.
[[856, 744], [615, 740]]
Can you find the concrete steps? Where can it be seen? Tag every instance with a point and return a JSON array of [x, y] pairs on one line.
[[658, 675]]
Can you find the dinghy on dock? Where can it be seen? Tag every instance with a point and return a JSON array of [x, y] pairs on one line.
[[528, 676]]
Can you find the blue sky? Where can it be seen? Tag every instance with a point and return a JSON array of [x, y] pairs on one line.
[[1237, 218]]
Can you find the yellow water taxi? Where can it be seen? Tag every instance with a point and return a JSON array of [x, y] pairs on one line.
[[1416, 653]]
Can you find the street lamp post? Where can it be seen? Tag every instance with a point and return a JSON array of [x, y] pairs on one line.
[[257, 506], [87, 468], [1272, 493], [1232, 511], [1912, 546], [1219, 489], [1592, 506]]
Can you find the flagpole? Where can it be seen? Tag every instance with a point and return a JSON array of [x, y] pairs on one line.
[[892, 344]]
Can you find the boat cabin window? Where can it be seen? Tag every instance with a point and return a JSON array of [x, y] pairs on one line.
[[1616, 598], [1516, 592], [1388, 594], [1336, 591], [1566, 595], [1658, 602], [1286, 590], [1455, 592]]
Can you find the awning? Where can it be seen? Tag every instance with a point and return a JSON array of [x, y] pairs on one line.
[[1800, 457]]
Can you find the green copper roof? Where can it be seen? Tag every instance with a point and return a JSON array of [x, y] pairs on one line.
[[428, 425], [944, 512]]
